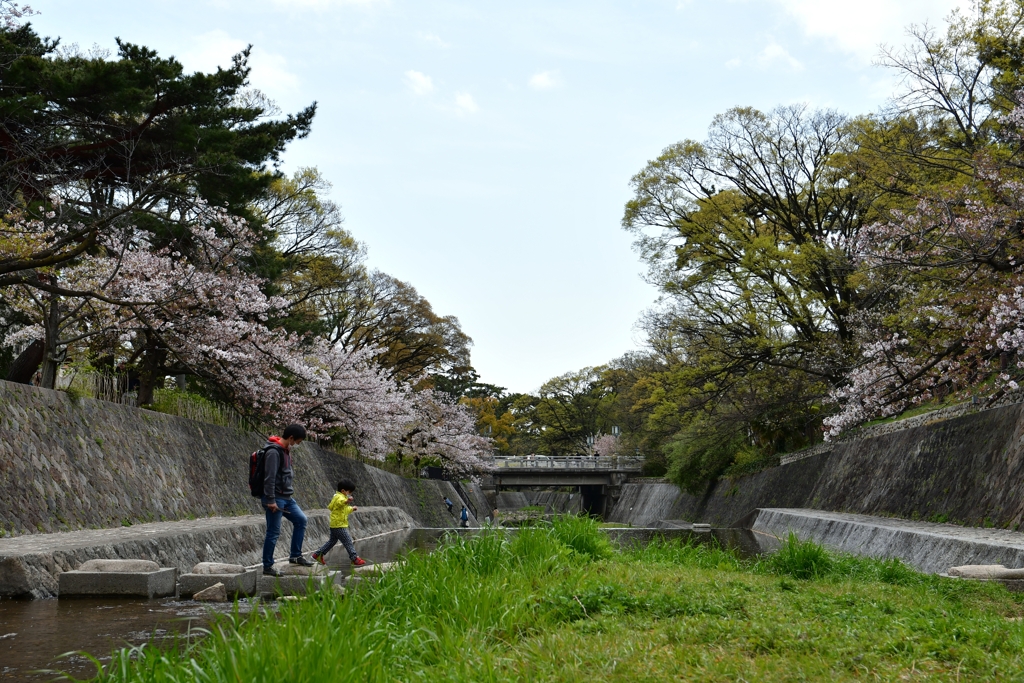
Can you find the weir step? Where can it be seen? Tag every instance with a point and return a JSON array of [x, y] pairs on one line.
[[927, 546]]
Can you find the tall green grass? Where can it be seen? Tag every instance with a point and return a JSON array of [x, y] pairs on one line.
[[557, 603], [583, 535], [808, 560], [435, 610]]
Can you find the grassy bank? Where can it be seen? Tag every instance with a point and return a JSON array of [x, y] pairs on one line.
[[559, 604]]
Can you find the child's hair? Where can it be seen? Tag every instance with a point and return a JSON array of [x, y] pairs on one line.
[[346, 485]]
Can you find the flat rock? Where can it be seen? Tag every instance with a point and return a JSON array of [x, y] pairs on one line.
[[288, 569], [158, 584], [379, 568], [215, 593], [986, 571], [243, 583], [217, 568], [294, 584], [119, 566]]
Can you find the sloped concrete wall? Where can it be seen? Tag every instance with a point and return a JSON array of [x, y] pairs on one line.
[[928, 547], [67, 465], [967, 469]]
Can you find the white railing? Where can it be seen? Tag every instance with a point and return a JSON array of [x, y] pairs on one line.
[[625, 463]]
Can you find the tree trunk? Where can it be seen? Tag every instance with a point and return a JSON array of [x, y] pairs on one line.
[[151, 372], [24, 366], [52, 336]]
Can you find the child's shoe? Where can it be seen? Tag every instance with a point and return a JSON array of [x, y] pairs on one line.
[[358, 562], [319, 558]]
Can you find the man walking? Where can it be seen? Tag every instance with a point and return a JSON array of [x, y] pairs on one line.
[[277, 498]]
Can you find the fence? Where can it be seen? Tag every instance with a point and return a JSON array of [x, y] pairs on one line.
[[623, 463]]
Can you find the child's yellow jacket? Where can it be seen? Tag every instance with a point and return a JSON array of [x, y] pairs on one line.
[[340, 510]]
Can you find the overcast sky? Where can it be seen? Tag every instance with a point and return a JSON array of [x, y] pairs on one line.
[[483, 150]]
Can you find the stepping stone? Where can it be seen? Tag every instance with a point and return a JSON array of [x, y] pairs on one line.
[[295, 580], [242, 582], [375, 568], [217, 568], [136, 578], [215, 593]]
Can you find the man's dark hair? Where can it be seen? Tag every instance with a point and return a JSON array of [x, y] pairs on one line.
[[296, 431], [346, 485]]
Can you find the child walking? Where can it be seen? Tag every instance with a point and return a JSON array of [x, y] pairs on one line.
[[341, 507]]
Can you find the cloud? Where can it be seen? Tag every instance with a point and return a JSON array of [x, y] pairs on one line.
[[774, 54], [733, 63], [465, 103], [270, 71], [419, 83], [434, 39], [545, 80], [860, 27]]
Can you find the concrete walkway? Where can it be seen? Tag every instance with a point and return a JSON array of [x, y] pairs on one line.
[[926, 546], [30, 565]]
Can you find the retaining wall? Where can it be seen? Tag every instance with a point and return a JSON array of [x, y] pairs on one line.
[[83, 464], [967, 469]]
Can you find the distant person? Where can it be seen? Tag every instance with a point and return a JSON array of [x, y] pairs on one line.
[[450, 505], [277, 497], [341, 507], [464, 516]]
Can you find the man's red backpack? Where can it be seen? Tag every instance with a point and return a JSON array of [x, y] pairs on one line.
[[257, 472]]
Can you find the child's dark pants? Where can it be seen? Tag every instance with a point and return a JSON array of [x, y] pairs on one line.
[[339, 533]]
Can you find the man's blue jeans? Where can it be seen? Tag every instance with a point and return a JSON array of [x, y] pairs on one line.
[[290, 510]]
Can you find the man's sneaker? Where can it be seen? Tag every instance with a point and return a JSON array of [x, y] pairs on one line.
[[271, 571], [319, 558], [300, 560], [358, 562]]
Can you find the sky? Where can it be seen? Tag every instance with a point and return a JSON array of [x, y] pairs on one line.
[[482, 151]]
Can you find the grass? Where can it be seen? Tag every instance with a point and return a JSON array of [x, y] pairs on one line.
[[558, 603]]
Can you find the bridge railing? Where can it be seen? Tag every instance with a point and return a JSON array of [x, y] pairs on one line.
[[625, 463]]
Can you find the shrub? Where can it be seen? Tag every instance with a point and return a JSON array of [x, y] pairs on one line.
[[582, 535], [800, 559]]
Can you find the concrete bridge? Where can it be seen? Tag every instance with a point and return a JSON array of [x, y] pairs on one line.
[[598, 479]]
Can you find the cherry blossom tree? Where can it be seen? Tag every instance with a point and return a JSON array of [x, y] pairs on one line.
[[954, 270], [606, 445], [11, 14]]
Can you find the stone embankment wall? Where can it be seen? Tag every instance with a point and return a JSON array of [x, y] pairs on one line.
[[83, 464], [967, 469]]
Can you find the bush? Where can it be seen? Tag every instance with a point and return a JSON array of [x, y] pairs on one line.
[[800, 559], [582, 535]]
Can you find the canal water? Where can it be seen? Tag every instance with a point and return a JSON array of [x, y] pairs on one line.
[[41, 635], [34, 634]]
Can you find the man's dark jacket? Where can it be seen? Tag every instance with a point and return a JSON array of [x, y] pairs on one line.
[[277, 469]]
